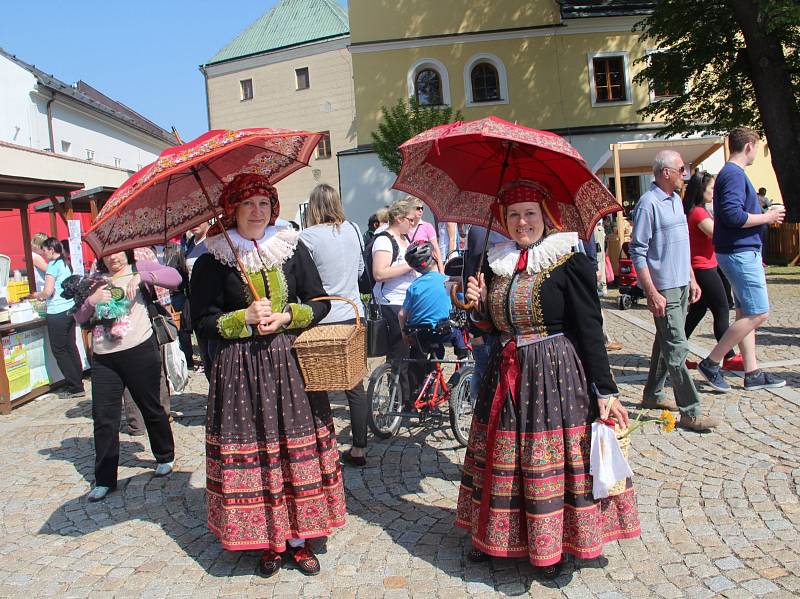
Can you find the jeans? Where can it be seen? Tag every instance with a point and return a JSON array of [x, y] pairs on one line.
[[670, 349], [398, 350], [481, 352], [61, 331], [745, 271], [138, 369]]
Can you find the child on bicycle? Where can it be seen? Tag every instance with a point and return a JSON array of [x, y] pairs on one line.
[[425, 315]]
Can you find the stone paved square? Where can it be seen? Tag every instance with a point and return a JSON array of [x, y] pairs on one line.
[[720, 511]]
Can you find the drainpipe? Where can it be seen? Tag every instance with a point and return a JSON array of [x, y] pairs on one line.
[[208, 104], [50, 123]]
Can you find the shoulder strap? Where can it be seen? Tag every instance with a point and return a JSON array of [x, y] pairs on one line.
[[360, 241]]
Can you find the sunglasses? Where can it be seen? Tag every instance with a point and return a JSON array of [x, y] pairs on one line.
[[680, 170], [420, 208]]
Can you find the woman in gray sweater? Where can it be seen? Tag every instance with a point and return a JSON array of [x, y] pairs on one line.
[[335, 246]]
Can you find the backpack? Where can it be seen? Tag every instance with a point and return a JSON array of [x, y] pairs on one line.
[[365, 280]]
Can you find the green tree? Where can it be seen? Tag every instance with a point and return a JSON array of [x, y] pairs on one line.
[[731, 63], [403, 121]]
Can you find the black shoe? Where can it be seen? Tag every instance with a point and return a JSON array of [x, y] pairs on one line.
[[304, 559], [549, 572], [349, 458], [476, 556], [270, 563]]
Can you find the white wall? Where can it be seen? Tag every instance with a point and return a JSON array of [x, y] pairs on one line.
[[18, 113], [365, 186]]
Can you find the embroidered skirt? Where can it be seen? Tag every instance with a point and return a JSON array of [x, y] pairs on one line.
[[526, 488], [272, 465]]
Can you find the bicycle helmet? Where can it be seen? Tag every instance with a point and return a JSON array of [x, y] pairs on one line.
[[419, 254]]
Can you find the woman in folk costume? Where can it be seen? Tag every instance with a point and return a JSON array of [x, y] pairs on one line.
[[273, 477], [526, 488]]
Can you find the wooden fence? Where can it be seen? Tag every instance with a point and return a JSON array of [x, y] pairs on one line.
[[783, 244]]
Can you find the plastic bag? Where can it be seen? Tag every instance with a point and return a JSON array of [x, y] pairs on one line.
[[607, 464], [175, 366]]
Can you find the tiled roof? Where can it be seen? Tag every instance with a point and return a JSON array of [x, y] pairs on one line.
[[605, 8], [88, 96], [289, 23]]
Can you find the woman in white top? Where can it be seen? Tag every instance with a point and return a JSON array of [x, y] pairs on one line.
[[335, 246], [392, 278]]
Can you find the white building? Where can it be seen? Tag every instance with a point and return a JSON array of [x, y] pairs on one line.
[[40, 112]]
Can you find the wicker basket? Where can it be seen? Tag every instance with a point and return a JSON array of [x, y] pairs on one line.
[[333, 357], [625, 446]]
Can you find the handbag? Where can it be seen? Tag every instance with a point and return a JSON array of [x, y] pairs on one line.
[[164, 328], [377, 330]]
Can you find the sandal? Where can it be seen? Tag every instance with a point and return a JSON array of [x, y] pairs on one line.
[[270, 563], [304, 559], [476, 556]]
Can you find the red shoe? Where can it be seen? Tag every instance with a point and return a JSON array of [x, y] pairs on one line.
[[691, 364], [735, 363], [304, 559]]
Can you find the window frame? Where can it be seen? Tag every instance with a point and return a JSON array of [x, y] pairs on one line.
[[651, 90], [502, 79], [626, 75], [297, 79], [436, 65], [326, 136], [243, 97], [89, 154]]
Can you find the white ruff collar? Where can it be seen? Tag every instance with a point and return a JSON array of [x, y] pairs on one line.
[[503, 257], [275, 247]]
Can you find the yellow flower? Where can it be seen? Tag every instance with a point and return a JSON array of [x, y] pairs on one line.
[[667, 421]]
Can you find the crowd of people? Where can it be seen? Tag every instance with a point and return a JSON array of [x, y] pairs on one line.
[[536, 332]]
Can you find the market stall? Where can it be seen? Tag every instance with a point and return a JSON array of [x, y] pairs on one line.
[[28, 368]]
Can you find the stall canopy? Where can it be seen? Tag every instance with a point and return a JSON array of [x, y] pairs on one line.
[[85, 201], [17, 193]]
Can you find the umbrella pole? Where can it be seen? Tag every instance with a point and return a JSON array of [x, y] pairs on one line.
[[253, 291]]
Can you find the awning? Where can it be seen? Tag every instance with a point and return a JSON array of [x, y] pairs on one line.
[[636, 157]]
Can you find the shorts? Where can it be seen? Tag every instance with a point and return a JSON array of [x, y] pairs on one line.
[[745, 272]]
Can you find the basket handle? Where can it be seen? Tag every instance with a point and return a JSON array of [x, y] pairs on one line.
[[341, 299]]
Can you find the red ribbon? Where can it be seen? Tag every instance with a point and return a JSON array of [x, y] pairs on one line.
[[506, 385], [522, 261]]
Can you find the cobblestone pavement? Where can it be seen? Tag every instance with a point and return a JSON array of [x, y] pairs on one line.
[[720, 511]]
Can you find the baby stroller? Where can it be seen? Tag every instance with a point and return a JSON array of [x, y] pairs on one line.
[[629, 291]]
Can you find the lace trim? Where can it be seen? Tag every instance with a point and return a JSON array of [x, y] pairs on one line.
[[503, 257], [275, 247]]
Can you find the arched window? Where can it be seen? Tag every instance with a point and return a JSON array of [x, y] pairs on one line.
[[485, 83], [428, 87]]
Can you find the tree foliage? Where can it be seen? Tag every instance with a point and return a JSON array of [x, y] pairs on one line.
[[712, 77], [403, 121]]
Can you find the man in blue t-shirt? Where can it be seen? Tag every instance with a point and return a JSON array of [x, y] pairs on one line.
[[738, 221]]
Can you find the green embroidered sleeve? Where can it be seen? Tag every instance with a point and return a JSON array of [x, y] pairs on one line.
[[302, 315], [233, 326]]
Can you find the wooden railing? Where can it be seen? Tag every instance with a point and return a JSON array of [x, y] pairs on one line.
[[783, 244]]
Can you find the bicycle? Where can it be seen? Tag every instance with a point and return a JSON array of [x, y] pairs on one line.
[[385, 401]]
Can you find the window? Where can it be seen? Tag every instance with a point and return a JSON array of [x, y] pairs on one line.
[[631, 190], [669, 80], [89, 154], [247, 89], [65, 146], [118, 162], [301, 75], [485, 83], [609, 79], [324, 146], [428, 83]]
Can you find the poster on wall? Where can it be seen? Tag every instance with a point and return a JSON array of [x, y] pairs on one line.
[[76, 261], [25, 357]]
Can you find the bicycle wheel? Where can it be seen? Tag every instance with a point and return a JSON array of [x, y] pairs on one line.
[[462, 405], [383, 395]]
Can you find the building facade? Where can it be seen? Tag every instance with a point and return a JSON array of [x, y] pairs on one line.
[[562, 66], [290, 69]]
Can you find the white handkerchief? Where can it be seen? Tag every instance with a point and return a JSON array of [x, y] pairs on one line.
[[607, 464]]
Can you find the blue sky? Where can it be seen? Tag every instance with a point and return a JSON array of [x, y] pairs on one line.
[[144, 54]]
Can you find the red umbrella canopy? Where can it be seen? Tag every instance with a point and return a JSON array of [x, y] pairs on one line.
[[458, 169], [179, 190]]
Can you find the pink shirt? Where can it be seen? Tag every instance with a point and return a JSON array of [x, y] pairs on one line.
[[423, 230]]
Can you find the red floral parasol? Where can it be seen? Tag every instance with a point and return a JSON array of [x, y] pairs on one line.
[[457, 169], [179, 190]]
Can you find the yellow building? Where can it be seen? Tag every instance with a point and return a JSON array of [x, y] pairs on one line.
[[290, 69], [563, 66]]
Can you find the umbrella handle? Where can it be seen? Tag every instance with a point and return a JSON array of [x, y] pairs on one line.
[[456, 287]]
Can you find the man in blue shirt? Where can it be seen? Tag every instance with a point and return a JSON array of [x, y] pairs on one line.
[[659, 249], [738, 222]]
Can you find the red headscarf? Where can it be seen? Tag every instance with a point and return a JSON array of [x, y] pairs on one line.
[[523, 190], [240, 188]]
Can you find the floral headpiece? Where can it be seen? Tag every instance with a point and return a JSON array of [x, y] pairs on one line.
[[523, 190], [240, 188]]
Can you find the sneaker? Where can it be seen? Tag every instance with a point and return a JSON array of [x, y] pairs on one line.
[[697, 423], [762, 380], [163, 468], [691, 364], [651, 403], [98, 493], [735, 363], [713, 376]]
